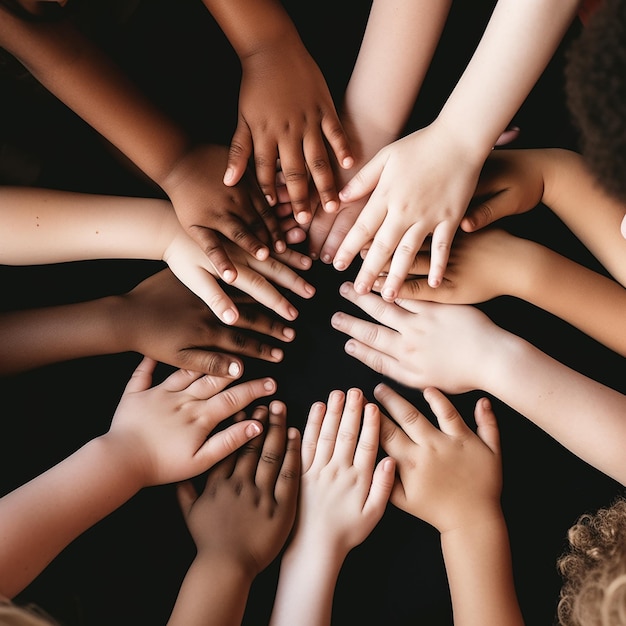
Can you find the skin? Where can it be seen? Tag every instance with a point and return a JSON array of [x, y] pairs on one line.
[[421, 184], [422, 344], [81, 76], [451, 478], [49, 226], [158, 435], [159, 318], [343, 495], [239, 522], [488, 262], [286, 111]]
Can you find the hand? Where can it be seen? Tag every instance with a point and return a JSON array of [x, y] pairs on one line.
[[162, 319], [195, 271], [166, 428], [286, 112], [420, 186], [343, 491], [481, 267], [206, 207], [448, 477], [510, 183], [420, 344], [248, 504]]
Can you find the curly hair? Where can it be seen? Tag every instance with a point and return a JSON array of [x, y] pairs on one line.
[[594, 569], [595, 89]]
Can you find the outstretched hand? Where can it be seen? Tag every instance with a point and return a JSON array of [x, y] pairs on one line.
[[167, 428]]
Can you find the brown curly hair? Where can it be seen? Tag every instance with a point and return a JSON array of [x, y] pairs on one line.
[[594, 569], [595, 88]]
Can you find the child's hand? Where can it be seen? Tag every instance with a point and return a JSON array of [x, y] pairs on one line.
[[248, 505], [420, 185], [448, 477], [482, 266], [420, 344], [286, 111], [194, 269], [511, 182], [166, 429], [206, 207], [344, 491], [162, 319]]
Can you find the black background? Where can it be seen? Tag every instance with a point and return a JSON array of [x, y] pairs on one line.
[[127, 569]]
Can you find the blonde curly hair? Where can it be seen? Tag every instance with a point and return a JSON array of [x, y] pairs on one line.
[[594, 569]]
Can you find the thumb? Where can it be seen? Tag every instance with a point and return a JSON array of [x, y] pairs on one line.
[[487, 424], [141, 378], [364, 181]]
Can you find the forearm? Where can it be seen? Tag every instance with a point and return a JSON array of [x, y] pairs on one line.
[[41, 226], [42, 517], [585, 299], [211, 593], [82, 77], [583, 415], [252, 26], [573, 194], [398, 45], [504, 69], [39, 337], [306, 587], [480, 574]]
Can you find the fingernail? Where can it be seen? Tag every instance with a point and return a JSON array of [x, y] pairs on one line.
[[269, 384], [344, 289], [253, 429], [230, 316], [276, 353], [228, 175], [289, 333], [331, 206], [389, 294], [229, 276], [234, 369], [340, 265], [348, 162], [270, 199]]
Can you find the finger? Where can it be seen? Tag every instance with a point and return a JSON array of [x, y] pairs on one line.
[[338, 232], [141, 378], [225, 442], [249, 454], [246, 234], [338, 140], [349, 426], [238, 154], [207, 288], [485, 212], [291, 258], [449, 420], [368, 333], [186, 495], [330, 425], [269, 226], [321, 171], [487, 424], [412, 422], [212, 246], [213, 363], [265, 156], [380, 490], [255, 284], [377, 360], [367, 447], [311, 433], [364, 181], [220, 406], [401, 262], [387, 313], [252, 318], [360, 234], [440, 246], [288, 482], [297, 181], [273, 451], [508, 135]]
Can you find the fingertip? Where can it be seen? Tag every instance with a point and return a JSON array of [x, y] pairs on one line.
[[253, 429], [347, 162], [229, 316]]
